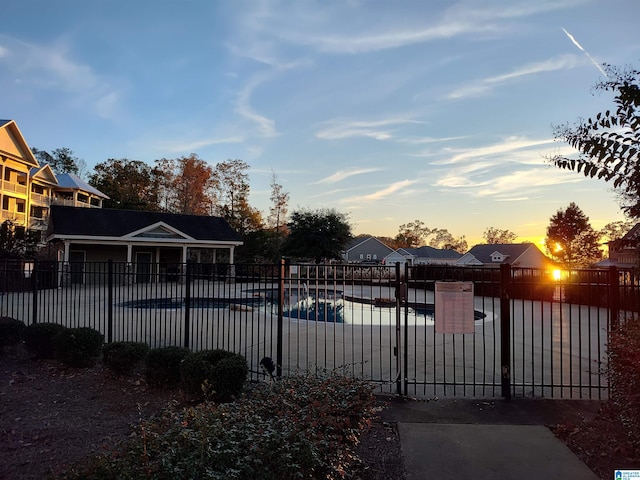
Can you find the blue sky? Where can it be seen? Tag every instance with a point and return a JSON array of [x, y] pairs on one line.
[[440, 111]]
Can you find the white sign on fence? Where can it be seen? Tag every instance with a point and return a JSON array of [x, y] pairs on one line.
[[454, 307]]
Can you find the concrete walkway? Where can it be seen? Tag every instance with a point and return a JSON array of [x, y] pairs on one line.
[[495, 439]]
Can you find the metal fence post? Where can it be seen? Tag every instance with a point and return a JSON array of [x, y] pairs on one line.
[[110, 301], [405, 316], [34, 289], [505, 329], [187, 303], [399, 296], [281, 275], [614, 298]]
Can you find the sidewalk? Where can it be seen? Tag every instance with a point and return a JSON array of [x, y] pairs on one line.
[[487, 439]]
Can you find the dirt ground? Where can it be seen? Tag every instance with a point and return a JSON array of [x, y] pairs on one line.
[[52, 416]]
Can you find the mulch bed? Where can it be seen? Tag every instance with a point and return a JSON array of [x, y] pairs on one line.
[[52, 416]]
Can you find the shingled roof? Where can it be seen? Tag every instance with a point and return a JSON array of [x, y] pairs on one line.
[[105, 222]]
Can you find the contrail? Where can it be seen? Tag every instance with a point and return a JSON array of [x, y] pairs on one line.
[[575, 42]]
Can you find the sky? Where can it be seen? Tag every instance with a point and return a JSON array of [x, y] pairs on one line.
[[390, 112]]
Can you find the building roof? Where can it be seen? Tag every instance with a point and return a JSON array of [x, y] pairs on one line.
[[105, 222], [431, 252], [633, 234], [73, 182], [512, 251]]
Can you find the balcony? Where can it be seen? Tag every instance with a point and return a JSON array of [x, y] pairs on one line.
[[15, 217], [13, 187], [69, 202], [41, 200]]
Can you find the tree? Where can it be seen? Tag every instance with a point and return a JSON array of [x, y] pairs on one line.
[[279, 205], [570, 238], [61, 160], [444, 240], [609, 144], [615, 230], [17, 242], [495, 236], [188, 185], [412, 234], [317, 234], [130, 184]]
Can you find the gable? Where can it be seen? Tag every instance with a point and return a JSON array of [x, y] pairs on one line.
[[44, 174], [159, 230], [13, 145]]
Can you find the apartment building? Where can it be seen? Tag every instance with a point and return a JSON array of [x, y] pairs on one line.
[[28, 189]]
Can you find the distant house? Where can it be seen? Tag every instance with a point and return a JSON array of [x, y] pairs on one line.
[[623, 252], [524, 255], [366, 250], [422, 256], [139, 238]]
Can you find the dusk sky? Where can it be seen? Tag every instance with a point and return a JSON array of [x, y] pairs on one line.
[[440, 111]]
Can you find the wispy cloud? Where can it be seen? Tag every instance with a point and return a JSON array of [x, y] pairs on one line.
[[486, 85], [196, 145], [378, 129], [344, 174], [510, 145], [392, 189], [51, 68], [575, 42], [266, 126], [390, 30]]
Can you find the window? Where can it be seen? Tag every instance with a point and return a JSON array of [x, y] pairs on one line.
[[361, 256], [368, 256], [375, 256]]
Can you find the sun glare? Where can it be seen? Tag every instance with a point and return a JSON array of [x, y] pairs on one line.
[[557, 275]]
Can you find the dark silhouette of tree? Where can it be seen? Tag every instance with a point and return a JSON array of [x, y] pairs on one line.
[[317, 234], [61, 160], [129, 184], [571, 240], [412, 234], [495, 236], [609, 143]]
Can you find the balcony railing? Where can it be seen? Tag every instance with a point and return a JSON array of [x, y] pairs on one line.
[[16, 217], [14, 187], [68, 202], [39, 199]]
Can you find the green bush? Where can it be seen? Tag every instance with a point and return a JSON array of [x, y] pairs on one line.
[[162, 366], [123, 357], [302, 427], [218, 374], [229, 376], [10, 331], [78, 347], [38, 338]]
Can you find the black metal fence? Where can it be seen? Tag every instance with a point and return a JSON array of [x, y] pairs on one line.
[[533, 334]]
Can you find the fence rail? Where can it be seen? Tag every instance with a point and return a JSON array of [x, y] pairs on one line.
[[533, 335]]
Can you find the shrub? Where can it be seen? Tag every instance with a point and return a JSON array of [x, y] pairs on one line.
[[229, 376], [216, 373], [301, 427], [38, 338], [624, 377], [123, 357], [78, 347], [163, 366], [10, 331]]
